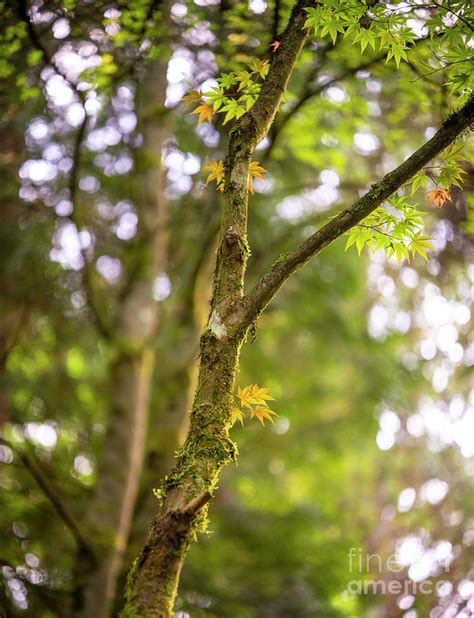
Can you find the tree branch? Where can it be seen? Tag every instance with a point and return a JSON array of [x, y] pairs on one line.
[[101, 324], [52, 496], [247, 132], [310, 91], [257, 121], [195, 505], [256, 300], [276, 20]]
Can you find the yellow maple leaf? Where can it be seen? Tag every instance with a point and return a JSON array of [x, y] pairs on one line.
[[236, 415], [245, 396], [254, 395], [194, 96], [205, 112], [261, 395], [216, 172], [262, 413], [255, 171]]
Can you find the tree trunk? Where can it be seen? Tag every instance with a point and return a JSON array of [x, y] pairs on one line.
[[133, 352], [153, 580], [154, 577]]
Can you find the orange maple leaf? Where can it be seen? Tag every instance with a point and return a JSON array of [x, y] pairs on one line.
[[245, 396], [194, 96], [205, 112], [437, 197]]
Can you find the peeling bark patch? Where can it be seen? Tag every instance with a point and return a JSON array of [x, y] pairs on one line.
[[216, 325]]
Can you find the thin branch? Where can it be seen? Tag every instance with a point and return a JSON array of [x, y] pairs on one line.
[[445, 66], [277, 245], [310, 91], [460, 17], [257, 299], [194, 506], [52, 496]]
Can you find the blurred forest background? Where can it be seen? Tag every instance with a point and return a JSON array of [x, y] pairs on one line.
[[107, 241]]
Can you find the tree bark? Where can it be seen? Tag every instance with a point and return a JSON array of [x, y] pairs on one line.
[[153, 580]]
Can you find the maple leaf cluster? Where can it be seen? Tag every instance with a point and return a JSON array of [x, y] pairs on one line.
[[253, 399], [216, 172], [204, 110], [255, 171], [233, 96]]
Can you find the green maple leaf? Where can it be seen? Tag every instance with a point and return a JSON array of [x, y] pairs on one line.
[[421, 244], [226, 80]]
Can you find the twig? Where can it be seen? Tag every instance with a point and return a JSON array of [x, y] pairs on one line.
[[374, 227], [310, 92], [193, 507], [445, 66], [460, 17]]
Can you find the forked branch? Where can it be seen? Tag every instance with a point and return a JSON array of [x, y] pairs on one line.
[[257, 299]]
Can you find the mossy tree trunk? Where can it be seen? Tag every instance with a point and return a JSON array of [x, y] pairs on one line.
[[185, 493], [176, 372], [154, 577]]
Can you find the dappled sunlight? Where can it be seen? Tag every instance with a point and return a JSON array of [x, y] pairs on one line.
[[130, 285]]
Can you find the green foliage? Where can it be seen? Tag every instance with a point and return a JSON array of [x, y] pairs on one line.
[[235, 95], [315, 483], [373, 26], [11, 38], [396, 229]]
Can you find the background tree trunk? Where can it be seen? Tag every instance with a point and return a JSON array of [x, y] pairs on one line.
[[133, 352]]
